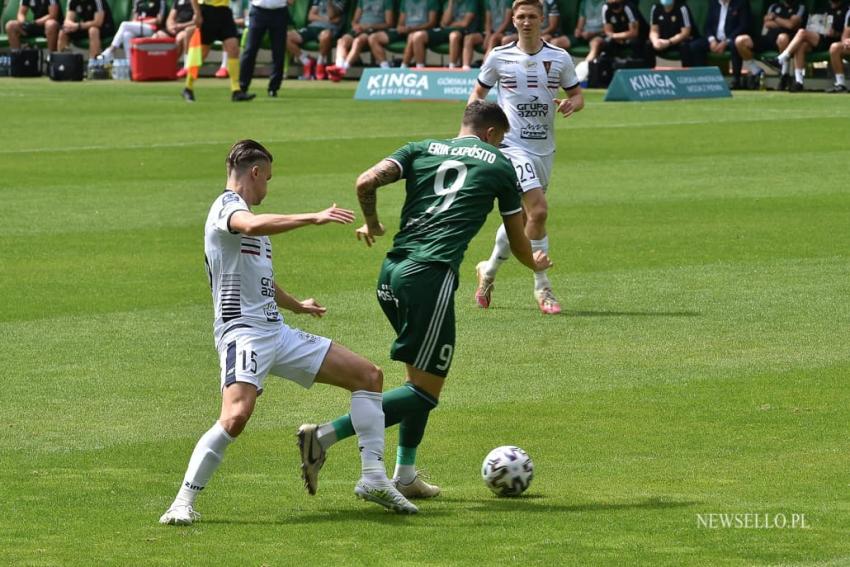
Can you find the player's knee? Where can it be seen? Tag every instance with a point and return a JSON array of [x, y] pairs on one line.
[[51, 26], [234, 421], [94, 33], [538, 213], [835, 48], [372, 378]]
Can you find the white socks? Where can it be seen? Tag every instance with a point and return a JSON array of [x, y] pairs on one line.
[[501, 252], [223, 60], [799, 74], [784, 57], [751, 66], [367, 418], [205, 459], [541, 280], [304, 58], [385, 64], [785, 67], [839, 80], [405, 473]]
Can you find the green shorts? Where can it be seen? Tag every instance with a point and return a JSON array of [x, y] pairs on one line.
[[419, 301]]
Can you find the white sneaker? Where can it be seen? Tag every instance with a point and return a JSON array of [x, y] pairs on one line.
[[312, 455], [180, 515], [418, 488], [385, 495]]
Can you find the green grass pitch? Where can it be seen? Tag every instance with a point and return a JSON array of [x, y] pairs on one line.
[[700, 369]]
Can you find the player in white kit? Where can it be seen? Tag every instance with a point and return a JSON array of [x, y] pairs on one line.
[[529, 73], [253, 341]]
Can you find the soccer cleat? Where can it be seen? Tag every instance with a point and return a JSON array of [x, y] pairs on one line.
[[222, 73], [182, 72], [796, 87], [188, 95], [242, 96], [784, 83], [312, 455], [418, 488], [179, 515], [272, 93], [384, 495], [837, 89], [309, 66], [484, 290], [546, 301], [321, 72]]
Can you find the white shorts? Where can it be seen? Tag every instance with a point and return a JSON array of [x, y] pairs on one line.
[[249, 355], [532, 171]]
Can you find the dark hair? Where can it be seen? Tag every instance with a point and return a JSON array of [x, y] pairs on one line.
[[245, 154], [481, 114]]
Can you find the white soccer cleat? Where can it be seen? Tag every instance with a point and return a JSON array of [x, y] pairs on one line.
[[312, 456], [179, 515], [485, 286], [547, 302], [418, 488], [384, 495]]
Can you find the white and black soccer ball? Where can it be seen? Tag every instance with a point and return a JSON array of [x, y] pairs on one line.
[[507, 471]]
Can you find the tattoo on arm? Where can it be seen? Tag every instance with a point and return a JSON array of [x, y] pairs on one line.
[[382, 173]]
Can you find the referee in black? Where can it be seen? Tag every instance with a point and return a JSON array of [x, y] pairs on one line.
[[270, 16]]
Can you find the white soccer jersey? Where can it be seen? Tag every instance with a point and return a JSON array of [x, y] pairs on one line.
[[527, 87], [240, 272]]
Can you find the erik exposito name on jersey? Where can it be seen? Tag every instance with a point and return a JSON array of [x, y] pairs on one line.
[[532, 110]]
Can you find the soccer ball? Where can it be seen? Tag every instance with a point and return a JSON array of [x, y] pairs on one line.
[[507, 471]]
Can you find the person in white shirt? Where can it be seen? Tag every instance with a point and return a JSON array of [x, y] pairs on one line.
[[253, 341], [529, 74]]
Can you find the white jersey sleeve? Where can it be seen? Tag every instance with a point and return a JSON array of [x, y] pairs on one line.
[[230, 203], [488, 77]]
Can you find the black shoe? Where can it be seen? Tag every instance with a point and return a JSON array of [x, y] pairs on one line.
[[272, 93], [773, 62], [795, 87], [754, 81], [837, 89], [242, 96], [188, 95], [784, 83], [736, 84]]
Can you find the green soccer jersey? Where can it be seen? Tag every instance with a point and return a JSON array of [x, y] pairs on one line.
[[450, 188]]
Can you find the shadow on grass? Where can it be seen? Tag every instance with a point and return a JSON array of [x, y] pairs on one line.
[[447, 506], [538, 503]]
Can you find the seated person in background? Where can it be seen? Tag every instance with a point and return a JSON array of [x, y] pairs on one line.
[[324, 22], [148, 19], [805, 41], [837, 52], [623, 30], [46, 15], [781, 22], [458, 19], [589, 28], [727, 19], [181, 25], [370, 16], [671, 27], [414, 15], [86, 19], [239, 9], [497, 20]]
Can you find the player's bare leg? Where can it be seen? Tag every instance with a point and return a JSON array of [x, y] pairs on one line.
[[537, 210]]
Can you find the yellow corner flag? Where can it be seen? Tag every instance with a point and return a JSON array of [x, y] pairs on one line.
[[194, 56]]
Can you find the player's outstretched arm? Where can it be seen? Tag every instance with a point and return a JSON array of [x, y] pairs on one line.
[[382, 173], [521, 246], [248, 223], [288, 302]]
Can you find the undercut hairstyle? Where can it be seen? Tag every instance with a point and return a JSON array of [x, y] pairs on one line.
[[481, 114], [536, 3], [245, 154]]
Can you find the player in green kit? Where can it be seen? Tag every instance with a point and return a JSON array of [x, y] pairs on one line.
[[450, 188]]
